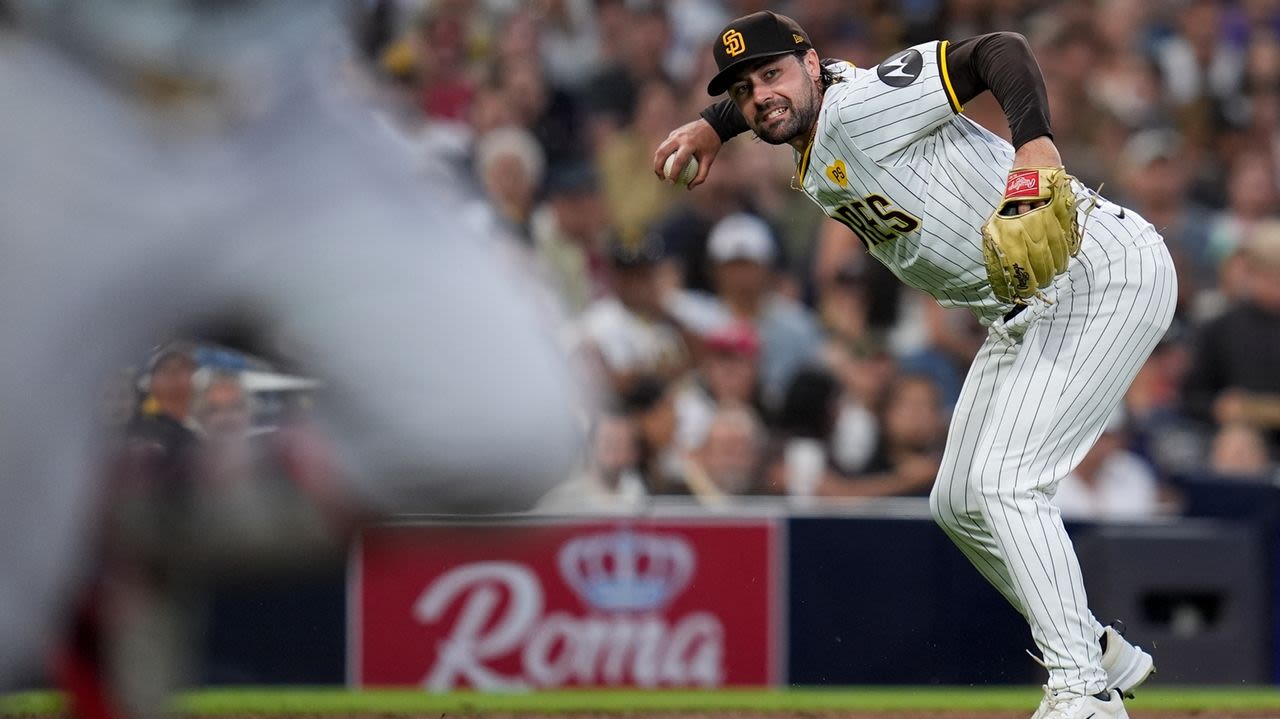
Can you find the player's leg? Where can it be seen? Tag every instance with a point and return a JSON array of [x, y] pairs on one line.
[[1071, 372], [953, 502], [1024, 422]]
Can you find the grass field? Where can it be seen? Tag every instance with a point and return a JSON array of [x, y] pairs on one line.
[[252, 701]]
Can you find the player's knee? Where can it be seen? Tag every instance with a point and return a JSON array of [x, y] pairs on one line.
[[942, 502]]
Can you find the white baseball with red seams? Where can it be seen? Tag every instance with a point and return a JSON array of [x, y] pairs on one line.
[[914, 179], [687, 173]]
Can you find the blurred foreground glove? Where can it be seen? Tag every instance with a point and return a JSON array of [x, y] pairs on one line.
[[1024, 252]]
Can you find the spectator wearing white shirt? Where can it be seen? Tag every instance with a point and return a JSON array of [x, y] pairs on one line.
[[727, 375], [1110, 483], [630, 332]]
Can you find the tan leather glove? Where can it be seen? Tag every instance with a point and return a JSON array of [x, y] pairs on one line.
[[1024, 253]]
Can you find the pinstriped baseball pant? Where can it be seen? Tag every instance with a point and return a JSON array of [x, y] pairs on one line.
[[1036, 398]]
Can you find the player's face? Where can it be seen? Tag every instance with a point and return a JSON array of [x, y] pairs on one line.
[[779, 98]]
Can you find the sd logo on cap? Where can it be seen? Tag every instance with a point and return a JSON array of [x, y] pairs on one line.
[[751, 37]]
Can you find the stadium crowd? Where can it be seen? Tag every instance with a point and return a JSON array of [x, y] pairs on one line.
[[742, 344]]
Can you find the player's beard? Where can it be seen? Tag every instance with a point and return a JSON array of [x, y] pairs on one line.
[[799, 121]]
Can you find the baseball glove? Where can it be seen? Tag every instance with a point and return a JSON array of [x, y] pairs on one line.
[[1025, 252]]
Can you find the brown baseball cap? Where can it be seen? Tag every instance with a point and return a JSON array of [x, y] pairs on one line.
[[751, 37]]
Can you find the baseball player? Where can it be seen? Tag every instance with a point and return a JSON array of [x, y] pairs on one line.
[[1075, 290], [184, 164]]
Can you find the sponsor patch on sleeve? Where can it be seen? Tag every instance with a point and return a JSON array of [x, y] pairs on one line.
[[901, 69]]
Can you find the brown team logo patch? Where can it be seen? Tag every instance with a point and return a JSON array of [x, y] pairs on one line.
[[734, 43], [837, 173]]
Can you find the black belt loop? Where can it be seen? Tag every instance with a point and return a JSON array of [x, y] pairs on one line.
[[1014, 312]]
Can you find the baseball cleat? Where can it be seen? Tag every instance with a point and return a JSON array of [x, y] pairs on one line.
[[1107, 705], [1127, 666]]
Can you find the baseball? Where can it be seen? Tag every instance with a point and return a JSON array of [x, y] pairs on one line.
[[689, 172]]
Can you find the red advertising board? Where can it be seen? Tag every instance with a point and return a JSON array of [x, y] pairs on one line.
[[510, 606]]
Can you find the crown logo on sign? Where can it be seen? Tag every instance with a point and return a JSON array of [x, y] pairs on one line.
[[627, 571], [734, 43]]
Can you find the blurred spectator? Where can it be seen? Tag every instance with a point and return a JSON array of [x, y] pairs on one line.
[[490, 110], [613, 18], [632, 331], [570, 42], [626, 157], [1154, 177], [609, 478], [1070, 79], [251, 492], [649, 402], [224, 417], [1158, 429], [1232, 376], [729, 457], [951, 338], [688, 225], [1240, 451], [1110, 483], [743, 249], [799, 459], [912, 432], [1260, 105], [848, 30], [865, 371], [963, 18], [570, 231], [727, 375], [694, 24], [221, 409], [1127, 84], [133, 620], [641, 52], [1232, 287], [550, 113], [441, 48], [764, 182], [1251, 199], [860, 298], [1199, 70], [160, 425], [845, 307], [510, 164]]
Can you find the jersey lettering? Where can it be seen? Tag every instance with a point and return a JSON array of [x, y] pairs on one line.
[[874, 220], [900, 221]]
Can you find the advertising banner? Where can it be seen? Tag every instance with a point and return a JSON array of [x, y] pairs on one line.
[[513, 606]]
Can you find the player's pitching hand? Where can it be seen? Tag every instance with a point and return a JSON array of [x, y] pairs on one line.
[[695, 139]]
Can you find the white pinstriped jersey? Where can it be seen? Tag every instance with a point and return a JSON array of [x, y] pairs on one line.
[[895, 161]]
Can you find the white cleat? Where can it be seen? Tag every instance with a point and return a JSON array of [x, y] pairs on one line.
[[1127, 666], [1089, 707]]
